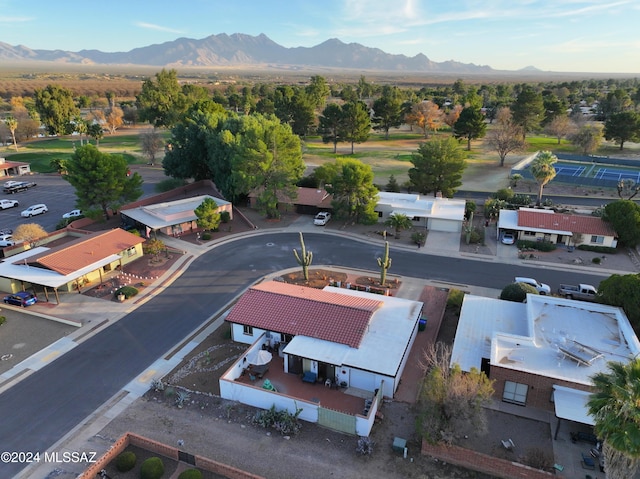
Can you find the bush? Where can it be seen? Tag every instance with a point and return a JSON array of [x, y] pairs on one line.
[[2, 320], [504, 194], [169, 184], [476, 236], [537, 245], [190, 474], [206, 236], [455, 298], [225, 216], [517, 292], [128, 291], [152, 468], [126, 461], [596, 260], [598, 249]]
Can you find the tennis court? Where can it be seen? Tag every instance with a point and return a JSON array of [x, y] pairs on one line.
[[617, 175], [569, 170]]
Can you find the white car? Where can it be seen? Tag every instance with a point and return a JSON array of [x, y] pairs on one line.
[[6, 240], [508, 238], [322, 218], [540, 287], [34, 210], [4, 204], [10, 183], [72, 214]]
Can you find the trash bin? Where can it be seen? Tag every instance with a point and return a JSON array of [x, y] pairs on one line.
[[422, 324]]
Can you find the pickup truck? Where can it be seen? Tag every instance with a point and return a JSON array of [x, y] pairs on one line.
[[584, 292], [21, 186]]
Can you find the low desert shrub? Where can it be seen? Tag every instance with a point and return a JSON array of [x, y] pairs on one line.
[[128, 291], [365, 446], [537, 245], [152, 468], [598, 249], [225, 216], [596, 260], [454, 299], [190, 474], [126, 461], [282, 421], [3, 319], [206, 236]]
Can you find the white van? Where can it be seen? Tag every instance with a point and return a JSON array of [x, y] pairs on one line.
[[540, 287]]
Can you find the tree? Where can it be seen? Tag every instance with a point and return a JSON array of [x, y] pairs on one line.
[[304, 258], [427, 116], [113, 119], [528, 110], [56, 108], [587, 138], [29, 233], [437, 167], [399, 222], [452, 115], [356, 123], [614, 407], [160, 101], [59, 164], [622, 291], [79, 126], [267, 160], [470, 125], [95, 132], [392, 186], [517, 292], [101, 180], [506, 136], [560, 127], [318, 91], [623, 126], [451, 404], [351, 184], [387, 110], [154, 247], [624, 216], [543, 170], [152, 143], [330, 124], [208, 215], [627, 188], [12, 125]]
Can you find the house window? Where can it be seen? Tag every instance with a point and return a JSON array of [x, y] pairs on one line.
[[529, 233], [415, 218], [132, 251], [597, 239], [379, 214], [515, 393], [248, 330]]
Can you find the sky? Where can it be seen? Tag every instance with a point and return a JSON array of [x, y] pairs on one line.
[[599, 36]]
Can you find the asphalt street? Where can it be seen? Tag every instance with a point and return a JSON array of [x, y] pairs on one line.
[[46, 405]]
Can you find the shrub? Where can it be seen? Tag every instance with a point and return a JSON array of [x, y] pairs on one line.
[[365, 446], [598, 249], [504, 194], [3, 319], [455, 298], [126, 461], [537, 245], [152, 468], [128, 291], [282, 421], [169, 184], [225, 216], [517, 292], [596, 260], [190, 474], [476, 236], [206, 236], [418, 238]]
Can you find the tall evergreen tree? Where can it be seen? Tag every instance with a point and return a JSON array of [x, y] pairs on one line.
[[437, 167], [470, 125]]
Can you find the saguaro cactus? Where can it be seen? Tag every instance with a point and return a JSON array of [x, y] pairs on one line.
[[384, 263], [304, 258]]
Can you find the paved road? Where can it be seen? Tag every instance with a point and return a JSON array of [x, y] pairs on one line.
[[43, 407]]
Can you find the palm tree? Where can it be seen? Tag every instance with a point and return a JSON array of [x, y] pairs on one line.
[[399, 222], [614, 407], [12, 124], [543, 170]]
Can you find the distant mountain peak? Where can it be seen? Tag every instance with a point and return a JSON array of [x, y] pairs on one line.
[[239, 49]]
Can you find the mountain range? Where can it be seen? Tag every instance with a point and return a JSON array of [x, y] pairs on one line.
[[240, 50]]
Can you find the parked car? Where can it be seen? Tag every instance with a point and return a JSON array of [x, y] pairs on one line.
[[6, 240], [18, 187], [34, 210], [322, 218], [540, 287], [508, 238], [21, 298], [6, 231], [4, 204], [73, 214], [584, 292], [10, 183]]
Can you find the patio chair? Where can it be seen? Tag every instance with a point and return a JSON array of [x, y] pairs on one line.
[[508, 444], [588, 462]]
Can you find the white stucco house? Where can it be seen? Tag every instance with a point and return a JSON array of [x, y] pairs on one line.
[[432, 213], [559, 228], [542, 353], [354, 339]]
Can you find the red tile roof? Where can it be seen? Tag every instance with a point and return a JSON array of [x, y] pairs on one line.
[[70, 257], [563, 222], [299, 310]]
